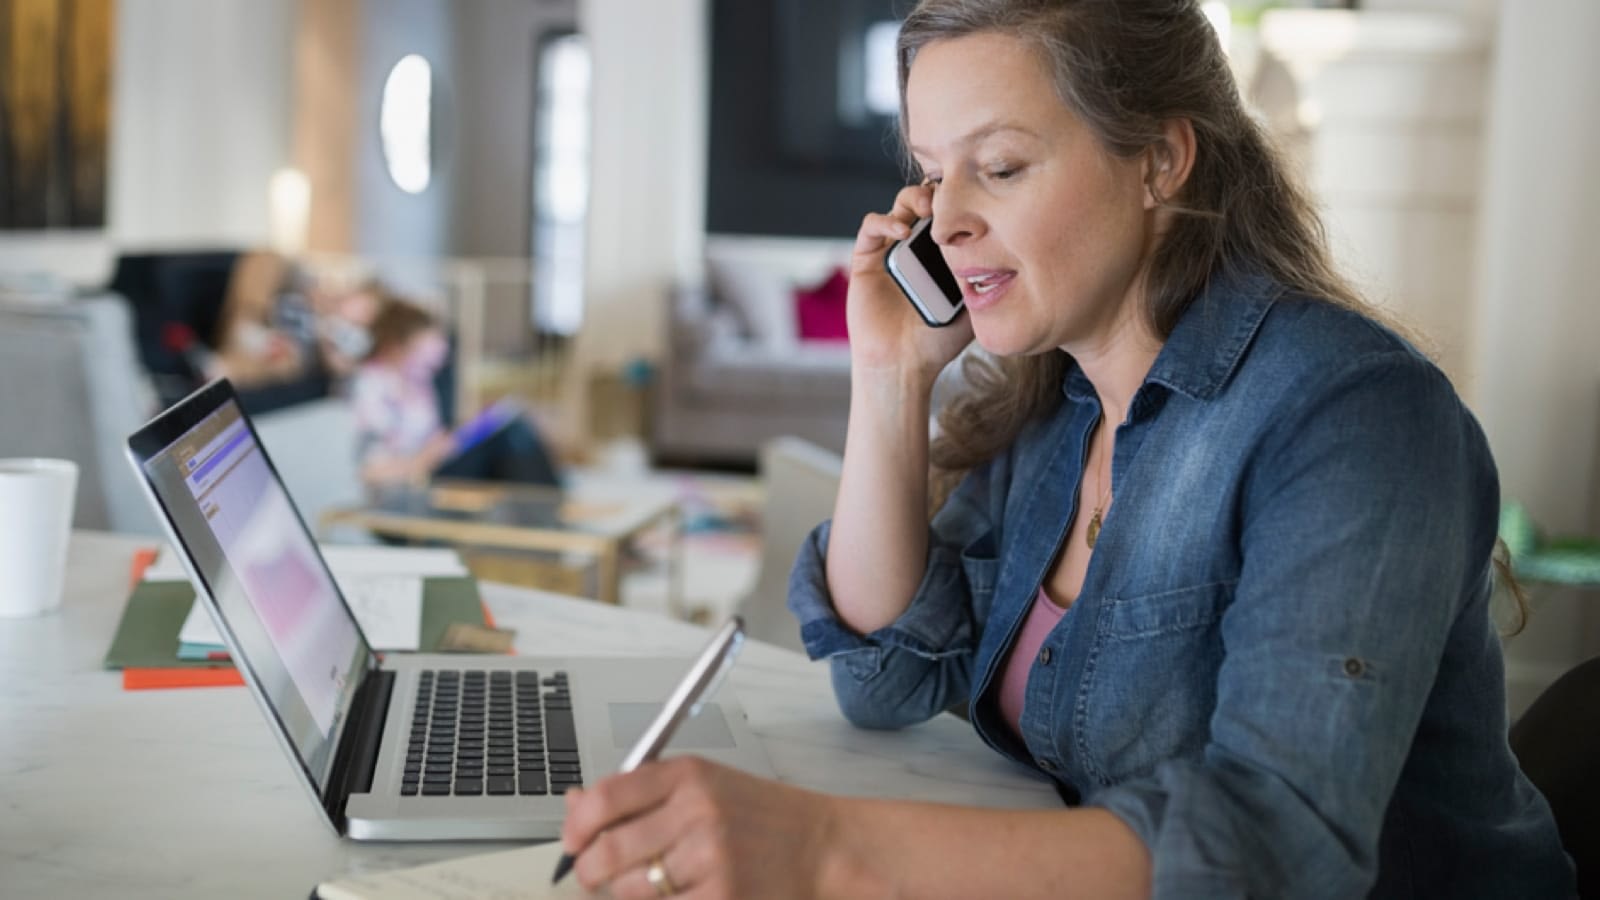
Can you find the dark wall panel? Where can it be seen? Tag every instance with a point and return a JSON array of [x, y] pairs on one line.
[[776, 165]]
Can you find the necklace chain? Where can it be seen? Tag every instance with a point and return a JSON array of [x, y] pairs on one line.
[[1093, 534]]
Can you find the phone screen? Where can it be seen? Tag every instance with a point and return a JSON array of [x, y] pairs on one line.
[[926, 249], [918, 267]]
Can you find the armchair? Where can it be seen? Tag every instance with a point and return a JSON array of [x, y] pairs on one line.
[[738, 372]]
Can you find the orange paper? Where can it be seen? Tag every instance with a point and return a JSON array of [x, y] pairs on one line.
[[143, 558], [157, 679]]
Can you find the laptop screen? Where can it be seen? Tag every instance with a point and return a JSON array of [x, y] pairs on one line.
[[278, 601]]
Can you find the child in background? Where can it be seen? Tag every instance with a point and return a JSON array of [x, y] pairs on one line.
[[401, 437]]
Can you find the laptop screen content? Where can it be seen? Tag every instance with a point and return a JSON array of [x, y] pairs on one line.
[[280, 604]]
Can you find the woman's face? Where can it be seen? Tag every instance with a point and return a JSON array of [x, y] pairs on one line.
[[425, 353], [1043, 227]]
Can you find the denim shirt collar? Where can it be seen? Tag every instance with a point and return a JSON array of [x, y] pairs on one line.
[[1204, 350], [1209, 341]]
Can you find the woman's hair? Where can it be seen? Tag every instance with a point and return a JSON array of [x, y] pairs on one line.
[[1127, 68], [397, 322]]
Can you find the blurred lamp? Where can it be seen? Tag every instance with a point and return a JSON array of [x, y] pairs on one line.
[[288, 211]]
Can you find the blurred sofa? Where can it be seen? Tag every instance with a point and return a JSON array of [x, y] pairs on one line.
[[185, 287], [738, 372]]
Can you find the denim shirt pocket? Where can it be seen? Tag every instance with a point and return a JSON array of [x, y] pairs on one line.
[[1150, 680]]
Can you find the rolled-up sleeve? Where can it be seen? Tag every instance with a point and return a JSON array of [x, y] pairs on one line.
[[1367, 528], [920, 664]]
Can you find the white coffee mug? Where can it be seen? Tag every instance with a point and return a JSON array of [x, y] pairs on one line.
[[36, 498]]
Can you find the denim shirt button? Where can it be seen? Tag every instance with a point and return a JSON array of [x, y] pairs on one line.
[[1049, 765], [1353, 667], [1044, 657]]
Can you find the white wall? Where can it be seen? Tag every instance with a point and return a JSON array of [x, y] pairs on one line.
[[1385, 111], [647, 208], [1538, 318], [200, 120]]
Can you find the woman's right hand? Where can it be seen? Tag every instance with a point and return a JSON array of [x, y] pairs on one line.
[[886, 332]]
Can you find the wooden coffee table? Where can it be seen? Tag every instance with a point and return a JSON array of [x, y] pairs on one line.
[[492, 517]]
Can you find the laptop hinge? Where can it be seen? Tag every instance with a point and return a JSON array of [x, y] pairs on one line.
[[357, 758]]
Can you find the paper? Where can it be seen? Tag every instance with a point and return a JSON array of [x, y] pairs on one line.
[[383, 586], [387, 607], [428, 562], [522, 874]]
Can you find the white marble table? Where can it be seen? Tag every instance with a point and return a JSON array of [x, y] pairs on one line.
[[180, 793]]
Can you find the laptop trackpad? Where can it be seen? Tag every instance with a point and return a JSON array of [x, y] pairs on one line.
[[707, 731]]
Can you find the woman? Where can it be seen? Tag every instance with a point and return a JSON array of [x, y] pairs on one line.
[[255, 348], [1219, 560]]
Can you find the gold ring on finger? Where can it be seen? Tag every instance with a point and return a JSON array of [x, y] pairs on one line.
[[659, 879]]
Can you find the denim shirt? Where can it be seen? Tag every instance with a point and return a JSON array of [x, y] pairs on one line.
[[1281, 671]]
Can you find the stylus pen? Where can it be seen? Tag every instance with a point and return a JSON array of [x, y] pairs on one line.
[[691, 693]]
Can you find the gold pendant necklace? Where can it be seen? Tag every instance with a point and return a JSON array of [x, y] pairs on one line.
[[1093, 534]]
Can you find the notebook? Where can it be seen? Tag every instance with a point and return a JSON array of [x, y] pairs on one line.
[[412, 746], [522, 874], [147, 650]]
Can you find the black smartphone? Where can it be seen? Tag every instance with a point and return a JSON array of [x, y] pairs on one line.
[[917, 265]]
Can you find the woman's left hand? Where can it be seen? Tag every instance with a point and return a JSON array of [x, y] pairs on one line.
[[713, 831]]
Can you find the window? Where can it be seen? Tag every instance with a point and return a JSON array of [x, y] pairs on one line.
[[560, 181], [881, 84], [405, 123]]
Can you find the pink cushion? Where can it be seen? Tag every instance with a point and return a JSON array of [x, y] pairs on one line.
[[821, 308]]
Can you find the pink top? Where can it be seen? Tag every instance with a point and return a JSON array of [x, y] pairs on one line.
[[395, 415], [1042, 617]]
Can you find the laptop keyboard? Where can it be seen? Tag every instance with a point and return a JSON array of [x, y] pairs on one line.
[[498, 733]]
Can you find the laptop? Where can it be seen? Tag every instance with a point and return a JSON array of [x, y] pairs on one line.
[[410, 746]]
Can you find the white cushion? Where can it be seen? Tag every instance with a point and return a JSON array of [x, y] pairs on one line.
[[757, 276], [763, 300]]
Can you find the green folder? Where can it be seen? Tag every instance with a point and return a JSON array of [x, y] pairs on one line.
[[147, 637]]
